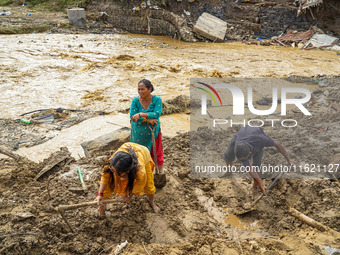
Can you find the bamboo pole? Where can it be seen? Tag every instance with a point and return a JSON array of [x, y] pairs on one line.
[[309, 221], [6, 152], [62, 208], [86, 204]]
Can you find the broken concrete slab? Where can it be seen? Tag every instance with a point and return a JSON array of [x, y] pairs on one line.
[[90, 129], [211, 27], [73, 137], [111, 141], [76, 16]]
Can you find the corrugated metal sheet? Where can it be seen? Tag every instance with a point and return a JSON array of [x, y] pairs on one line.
[[310, 3], [319, 40]]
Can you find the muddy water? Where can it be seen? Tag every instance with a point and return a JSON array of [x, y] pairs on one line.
[[101, 72], [82, 71]]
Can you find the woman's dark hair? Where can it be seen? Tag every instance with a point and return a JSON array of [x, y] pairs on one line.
[[147, 84], [242, 150], [126, 162]]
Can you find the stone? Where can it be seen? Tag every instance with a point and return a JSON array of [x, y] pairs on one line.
[[110, 141]]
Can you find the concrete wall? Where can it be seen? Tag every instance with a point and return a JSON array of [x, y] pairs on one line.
[[76, 16]]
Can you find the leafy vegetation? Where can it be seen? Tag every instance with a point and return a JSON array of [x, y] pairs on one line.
[[55, 5], [24, 29], [5, 2], [58, 5]]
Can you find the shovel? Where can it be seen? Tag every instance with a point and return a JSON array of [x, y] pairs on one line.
[[250, 207], [159, 179], [83, 189]]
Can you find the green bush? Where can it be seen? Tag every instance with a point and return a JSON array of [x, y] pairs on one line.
[[5, 2], [25, 29], [57, 5]]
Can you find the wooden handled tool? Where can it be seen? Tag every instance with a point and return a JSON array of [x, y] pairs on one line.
[[159, 178], [248, 208]]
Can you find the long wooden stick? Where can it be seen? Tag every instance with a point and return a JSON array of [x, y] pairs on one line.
[[6, 152], [62, 214], [76, 206], [309, 221], [62, 208], [154, 147]]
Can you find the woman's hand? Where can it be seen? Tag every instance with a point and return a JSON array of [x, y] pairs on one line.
[[136, 117], [98, 199], [153, 121], [126, 199]]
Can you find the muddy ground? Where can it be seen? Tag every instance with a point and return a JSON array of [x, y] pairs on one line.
[[197, 215]]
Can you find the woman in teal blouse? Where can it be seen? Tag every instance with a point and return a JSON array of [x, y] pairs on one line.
[[147, 108]]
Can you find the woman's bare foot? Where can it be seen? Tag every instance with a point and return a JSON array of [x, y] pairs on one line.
[[101, 211], [152, 203], [154, 207]]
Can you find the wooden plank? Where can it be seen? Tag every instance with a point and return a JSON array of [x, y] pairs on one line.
[[54, 160], [211, 27], [8, 153]]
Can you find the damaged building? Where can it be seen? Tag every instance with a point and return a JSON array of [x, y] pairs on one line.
[[244, 19]]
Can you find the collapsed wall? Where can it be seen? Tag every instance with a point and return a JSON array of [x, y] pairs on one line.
[[144, 21], [245, 18]]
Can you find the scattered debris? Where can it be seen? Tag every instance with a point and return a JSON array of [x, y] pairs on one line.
[[267, 101], [314, 38], [5, 13], [266, 4], [304, 4], [120, 248], [263, 101], [294, 37], [47, 116]]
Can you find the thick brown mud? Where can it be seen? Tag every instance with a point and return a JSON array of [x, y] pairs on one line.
[[197, 214]]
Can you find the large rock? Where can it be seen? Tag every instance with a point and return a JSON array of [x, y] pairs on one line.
[[106, 142], [211, 27]]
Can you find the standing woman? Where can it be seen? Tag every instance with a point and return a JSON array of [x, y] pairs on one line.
[[128, 172], [147, 108]]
